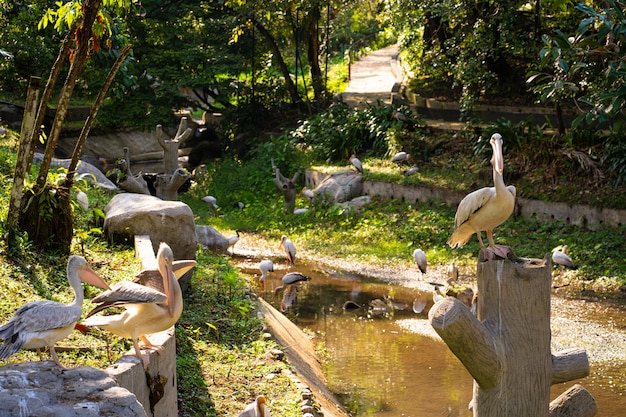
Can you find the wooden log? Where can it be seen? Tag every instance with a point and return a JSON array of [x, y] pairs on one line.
[[575, 402], [468, 339], [514, 305], [569, 364]]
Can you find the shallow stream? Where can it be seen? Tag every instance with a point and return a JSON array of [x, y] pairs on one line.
[[389, 362]]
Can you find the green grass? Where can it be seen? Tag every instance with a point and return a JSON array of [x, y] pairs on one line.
[[222, 357]]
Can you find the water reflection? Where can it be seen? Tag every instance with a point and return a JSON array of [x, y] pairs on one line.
[[384, 360]]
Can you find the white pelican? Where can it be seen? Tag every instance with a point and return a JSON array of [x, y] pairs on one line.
[[209, 199], [401, 157], [147, 310], [356, 163], [258, 408], [42, 323], [486, 208], [420, 260], [82, 199], [289, 248], [265, 266], [560, 256]]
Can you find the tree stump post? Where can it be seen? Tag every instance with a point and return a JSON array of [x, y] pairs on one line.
[[168, 183], [287, 187], [506, 348]]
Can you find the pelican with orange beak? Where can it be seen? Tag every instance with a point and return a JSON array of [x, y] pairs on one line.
[[485, 209], [149, 308]]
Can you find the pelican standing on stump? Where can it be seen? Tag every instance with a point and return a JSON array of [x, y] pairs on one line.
[[485, 209], [420, 260], [147, 310], [290, 250], [40, 324], [356, 163]]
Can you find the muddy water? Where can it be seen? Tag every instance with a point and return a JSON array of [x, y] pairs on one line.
[[388, 362]]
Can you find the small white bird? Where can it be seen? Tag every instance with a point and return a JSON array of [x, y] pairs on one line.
[[258, 408], [290, 250], [401, 157], [560, 256], [210, 200], [232, 239], [265, 266], [82, 199], [300, 210], [420, 260], [437, 295], [356, 163], [411, 171]]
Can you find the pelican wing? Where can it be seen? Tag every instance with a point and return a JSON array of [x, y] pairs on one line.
[[126, 293], [471, 203], [40, 316]]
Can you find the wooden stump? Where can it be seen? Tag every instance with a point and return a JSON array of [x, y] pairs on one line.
[[506, 348]]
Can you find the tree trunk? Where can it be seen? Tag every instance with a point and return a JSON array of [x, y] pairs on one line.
[[17, 190], [46, 213], [291, 88], [313, 52], [506, 348], [83, 36]]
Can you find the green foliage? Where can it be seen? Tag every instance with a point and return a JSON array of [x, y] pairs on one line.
[[516, 136], [340, 131], [220, 349]]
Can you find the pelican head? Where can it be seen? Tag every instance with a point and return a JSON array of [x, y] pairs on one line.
[[497, 160]]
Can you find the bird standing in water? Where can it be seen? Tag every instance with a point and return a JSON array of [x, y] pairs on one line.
[[485, 209], [290, 250]]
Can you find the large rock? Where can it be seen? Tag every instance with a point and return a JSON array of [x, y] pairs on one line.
[[42, 389], [172, 222], [340, 187], [211, 239]]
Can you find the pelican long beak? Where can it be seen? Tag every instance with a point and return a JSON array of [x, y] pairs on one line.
[[88, 276], [497, 160], [182, 266], [167, 284]]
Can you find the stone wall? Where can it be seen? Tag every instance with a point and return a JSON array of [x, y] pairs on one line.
[[121, 390], [581, 215]]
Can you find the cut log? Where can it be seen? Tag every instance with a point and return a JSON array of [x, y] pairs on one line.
[[569, 364], [575, 402]]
